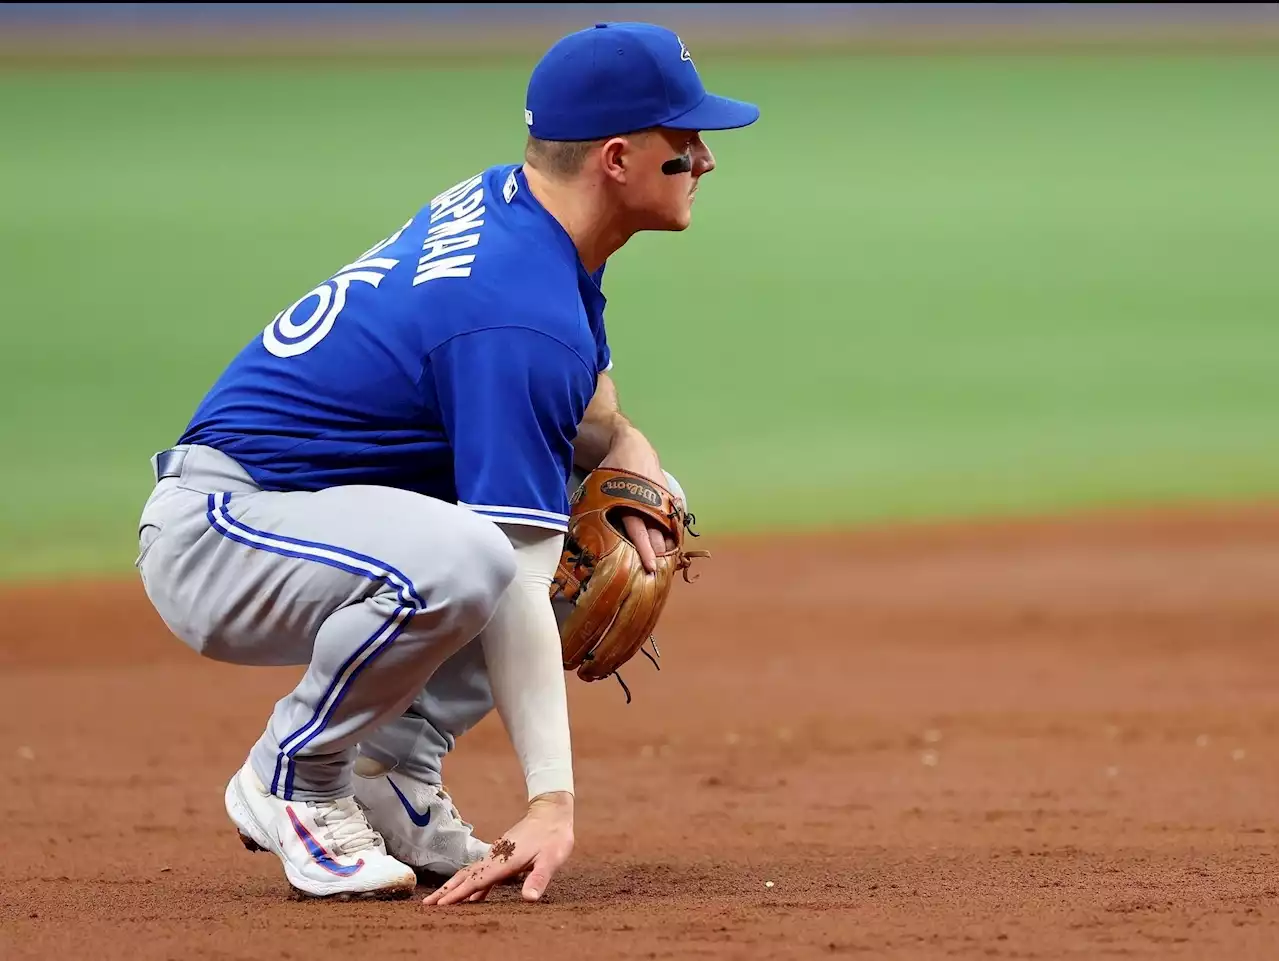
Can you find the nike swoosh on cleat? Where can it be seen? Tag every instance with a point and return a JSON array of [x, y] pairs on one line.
[[317, 851], [421, 820]]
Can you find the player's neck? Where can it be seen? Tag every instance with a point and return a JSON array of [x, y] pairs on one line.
[[595, 233]]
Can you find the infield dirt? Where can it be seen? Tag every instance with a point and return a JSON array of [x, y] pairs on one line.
[[1030, 739]]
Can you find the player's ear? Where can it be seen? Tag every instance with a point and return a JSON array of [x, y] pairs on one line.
[[614, 159]]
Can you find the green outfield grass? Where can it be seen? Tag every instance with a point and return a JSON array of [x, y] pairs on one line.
[[919, 287]]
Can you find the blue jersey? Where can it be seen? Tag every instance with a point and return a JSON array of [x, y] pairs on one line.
[[455, 359]]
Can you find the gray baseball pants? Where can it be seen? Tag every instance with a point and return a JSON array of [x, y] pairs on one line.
[[379, 592]]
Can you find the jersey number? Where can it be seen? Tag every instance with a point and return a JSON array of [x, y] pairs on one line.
[[290, 335]]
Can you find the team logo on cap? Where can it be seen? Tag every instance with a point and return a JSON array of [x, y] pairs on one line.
[[684, 51]]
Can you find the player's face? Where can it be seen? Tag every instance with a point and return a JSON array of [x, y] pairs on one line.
[[658, 200]]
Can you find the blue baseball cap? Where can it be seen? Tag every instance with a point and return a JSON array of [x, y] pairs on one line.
[[616, 78]]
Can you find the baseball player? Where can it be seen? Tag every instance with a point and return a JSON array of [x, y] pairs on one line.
[[375, 487]]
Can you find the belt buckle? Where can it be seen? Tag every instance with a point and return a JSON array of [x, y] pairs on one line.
[[169, 463]]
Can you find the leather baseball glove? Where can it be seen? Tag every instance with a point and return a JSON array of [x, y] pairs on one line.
[[615, 602]]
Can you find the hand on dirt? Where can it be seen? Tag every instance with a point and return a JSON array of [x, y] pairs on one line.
[[541, 841]]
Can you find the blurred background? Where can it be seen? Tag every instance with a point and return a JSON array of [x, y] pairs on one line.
[[974, 260]]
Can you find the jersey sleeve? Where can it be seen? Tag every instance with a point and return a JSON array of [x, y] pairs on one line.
[[511, 399], [604, 358]]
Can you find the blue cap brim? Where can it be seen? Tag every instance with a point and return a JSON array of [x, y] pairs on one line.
[[716, 113]]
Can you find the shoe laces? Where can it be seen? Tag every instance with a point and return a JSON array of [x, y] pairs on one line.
[[345, 828], [443, 795]]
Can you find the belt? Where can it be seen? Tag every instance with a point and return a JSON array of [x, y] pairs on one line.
[[169, 463]]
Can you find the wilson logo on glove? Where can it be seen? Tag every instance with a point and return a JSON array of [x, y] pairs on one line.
[[642, 492], [615, 601]]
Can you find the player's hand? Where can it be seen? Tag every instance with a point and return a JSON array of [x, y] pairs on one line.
[[632, 451], [542, 841]]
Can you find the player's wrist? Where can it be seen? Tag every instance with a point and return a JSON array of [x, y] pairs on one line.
[[550, 781], [557, 802], [625, 432], [598, 436]]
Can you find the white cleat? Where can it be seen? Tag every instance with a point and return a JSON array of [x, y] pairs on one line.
[[418, 821], [327, 847]]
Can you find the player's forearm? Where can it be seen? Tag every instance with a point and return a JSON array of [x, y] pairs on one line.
[[601, 425], [523, 655]]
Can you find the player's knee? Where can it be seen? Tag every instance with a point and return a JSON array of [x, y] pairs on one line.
[[483, 570]]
